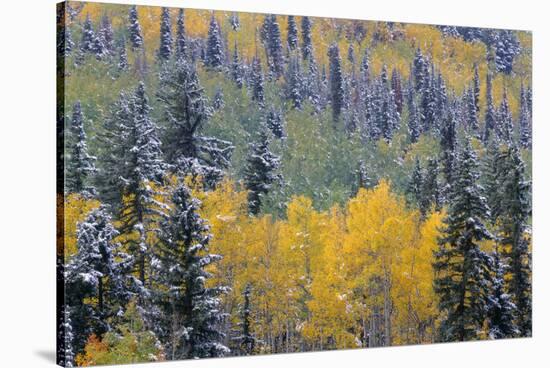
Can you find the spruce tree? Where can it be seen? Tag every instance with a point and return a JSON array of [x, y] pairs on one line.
[[307, 44], [275, 122], [246, 339], [501, 309], [214, 47], [114, 136], [294, 83], [431, 196], [524, 120], [428, 105], [257, 81], [122, 55], [462, 269], [396, 90], [365, 65], [504, 125], [490, 117], [235, 22], [165, 49], [88, 36], [68, 354], [364, 179], [181, 39], [476, 87], [507, 47], [514, 209], [419, 70], [260, 172], [187, 150], [96, 283], [189, 323], [237, 70], [137, 145], [271, 37], [134, 29], [415, 185], [79, 165], [218, 102], [336, 82], [106, 34], [413, 123], [292, 33], [448, 144], [471, 111]]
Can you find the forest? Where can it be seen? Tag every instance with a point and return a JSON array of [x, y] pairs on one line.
[[232, 184]]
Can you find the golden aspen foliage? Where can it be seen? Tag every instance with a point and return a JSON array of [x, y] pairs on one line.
[[331, 319], [76, 208], [379, 227], [415, 300]]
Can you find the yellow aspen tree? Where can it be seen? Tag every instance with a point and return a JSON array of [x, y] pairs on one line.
[[379, 227], [331, 318], [415, 300]]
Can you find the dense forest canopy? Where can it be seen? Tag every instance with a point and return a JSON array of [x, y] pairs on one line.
[[239, 183]]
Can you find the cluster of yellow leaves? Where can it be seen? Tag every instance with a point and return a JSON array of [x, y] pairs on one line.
[[76, 208], [312, 273]]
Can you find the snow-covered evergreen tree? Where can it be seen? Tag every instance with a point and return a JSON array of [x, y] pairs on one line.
[[420, 71], [246, 339], [88, 36], [413, 123], [307, 44], [397, 90], [131, 162], [490, 118], [513, 207], [364, 179], [134, 29], [294, 82], [471, 111], [365, 66], [431, 196], [106, 35], [336, 82], [275, 122], [237, 69], [235, 22], [448, 144], [504, 125], [261, 170], [186, 112], [415, 184], [96, 283], [122, 55], [218, 102], [477, 88], [67, 354], [524, 122], [507, 47], [165, 49], [271, 37], [501, 309], [462, 269], [214, 47], [79, 165], [428, 105], [257, 81], [191, 312], [292, 33], [181, 38], [114, 136]]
